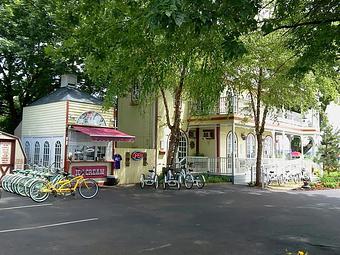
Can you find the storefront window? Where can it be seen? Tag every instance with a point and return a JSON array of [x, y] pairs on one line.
[[57, 154], [36, 153], [101, 151], [46, 155], [28, 152], [89, 153]]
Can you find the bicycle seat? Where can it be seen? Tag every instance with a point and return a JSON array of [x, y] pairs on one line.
[[271, 172], [66, 174], [151, 171], [191, 170]]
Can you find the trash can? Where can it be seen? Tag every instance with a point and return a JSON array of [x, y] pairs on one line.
[[111, 180]]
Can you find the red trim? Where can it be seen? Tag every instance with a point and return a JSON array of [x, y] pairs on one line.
[[13, 153], [218, 141], [197, 141]]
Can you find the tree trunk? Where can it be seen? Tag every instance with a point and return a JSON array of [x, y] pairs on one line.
[[175, 128]]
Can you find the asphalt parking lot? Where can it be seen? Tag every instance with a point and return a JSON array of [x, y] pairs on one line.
[[219, 219]]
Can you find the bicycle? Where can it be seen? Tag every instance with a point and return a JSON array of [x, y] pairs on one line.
[[41, 190], [189, 178], [150, 180], [171, 179]]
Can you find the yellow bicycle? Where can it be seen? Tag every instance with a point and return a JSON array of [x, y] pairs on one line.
[[41, 190]]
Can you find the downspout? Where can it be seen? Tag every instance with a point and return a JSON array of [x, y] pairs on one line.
[[66, 163], [233, 138]]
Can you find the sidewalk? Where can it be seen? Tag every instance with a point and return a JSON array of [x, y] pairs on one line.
[[285, 187]]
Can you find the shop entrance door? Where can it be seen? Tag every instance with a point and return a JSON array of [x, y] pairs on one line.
[[7, 151]]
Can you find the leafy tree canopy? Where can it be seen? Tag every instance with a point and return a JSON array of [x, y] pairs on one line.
[[312, 28], [27, 73], [149, 42], [160, 45]]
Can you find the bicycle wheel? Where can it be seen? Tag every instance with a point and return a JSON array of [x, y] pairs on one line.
[[178, 185], [200, 181], [141, 182], [156, 182], [88, 188], [188, 181], [21, 186], [36, 192]]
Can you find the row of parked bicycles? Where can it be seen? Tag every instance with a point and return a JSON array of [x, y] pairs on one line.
[[39, 182], [288, 176], [173, 178]]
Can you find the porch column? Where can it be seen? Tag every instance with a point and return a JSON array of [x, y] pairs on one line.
[[217, 130]]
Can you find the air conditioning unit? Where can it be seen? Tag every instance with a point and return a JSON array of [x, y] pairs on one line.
[[208, 134]]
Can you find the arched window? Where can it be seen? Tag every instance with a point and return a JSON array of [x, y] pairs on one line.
[[28, 151], [46, 155], [57, 154], [229, 145], [182, 147], [36, 153], [268, 147], [250, 146]]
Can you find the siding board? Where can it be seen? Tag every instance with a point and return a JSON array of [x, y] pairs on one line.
[[76, 109], [44, 120]]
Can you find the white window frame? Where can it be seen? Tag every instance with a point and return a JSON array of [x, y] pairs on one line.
[[57, 155], [46, 154], [28, 151], [250, 146], [36, 159], [182, 150]]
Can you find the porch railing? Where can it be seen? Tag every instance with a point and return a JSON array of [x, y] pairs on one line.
[[245, 168], [242, 107]]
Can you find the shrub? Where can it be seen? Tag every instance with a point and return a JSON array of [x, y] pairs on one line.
[[217, 178], [331, 180]]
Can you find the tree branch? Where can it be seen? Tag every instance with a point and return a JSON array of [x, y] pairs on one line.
[[307, 23]]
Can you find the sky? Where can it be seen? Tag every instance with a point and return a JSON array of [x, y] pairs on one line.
[[333, 113]]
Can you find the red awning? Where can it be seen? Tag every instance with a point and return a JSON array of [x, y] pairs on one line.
[[104, 134]]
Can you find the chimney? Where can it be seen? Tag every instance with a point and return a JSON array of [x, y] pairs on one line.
[[68, 80]]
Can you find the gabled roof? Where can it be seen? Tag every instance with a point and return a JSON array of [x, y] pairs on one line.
[[67, 94]]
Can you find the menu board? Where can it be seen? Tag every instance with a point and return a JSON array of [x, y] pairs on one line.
[[5, 153]]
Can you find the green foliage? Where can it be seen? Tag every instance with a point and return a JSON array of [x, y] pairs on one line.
[[25, 72], [217, 178], [329, 150], [149, 42], [312, 29], [331, 180]]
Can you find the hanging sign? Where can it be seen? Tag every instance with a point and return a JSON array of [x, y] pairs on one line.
[[137, 155], [5, 153], [90, 171]]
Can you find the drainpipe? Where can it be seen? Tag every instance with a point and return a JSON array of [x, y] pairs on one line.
[[155, 145], [233, 139]]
